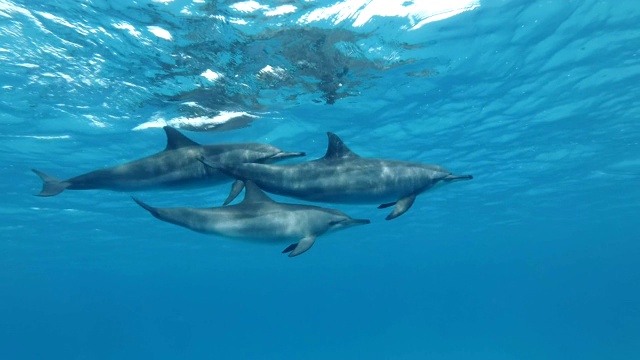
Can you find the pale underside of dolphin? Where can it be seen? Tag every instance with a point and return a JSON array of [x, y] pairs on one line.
[[341, 176], [177, 166], [260, 219]]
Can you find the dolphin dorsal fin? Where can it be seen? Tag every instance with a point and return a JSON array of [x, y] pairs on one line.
[[176, 140], [337, 149], [252, 194]]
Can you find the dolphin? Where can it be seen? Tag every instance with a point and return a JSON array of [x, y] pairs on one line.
[[260, 219], [341, 176], [177, 166]]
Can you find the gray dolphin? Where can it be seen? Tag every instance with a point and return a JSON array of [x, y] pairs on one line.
[[177, 166], [260, 219], [341, 176]]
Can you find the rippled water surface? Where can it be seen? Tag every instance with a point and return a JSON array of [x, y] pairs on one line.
[[536, 258]]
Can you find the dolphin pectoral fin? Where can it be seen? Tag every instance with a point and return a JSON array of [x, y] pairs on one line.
[[236, 189], [289, 248], [302, 246], [402, 206], [50, 185], [386, 205]]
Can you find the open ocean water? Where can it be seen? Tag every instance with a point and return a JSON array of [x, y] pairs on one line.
[[536, 258]]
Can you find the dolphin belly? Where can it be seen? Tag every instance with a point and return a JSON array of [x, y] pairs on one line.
[[338, 188], [344, 196], [136, 177], [267, 227], [257, 227]]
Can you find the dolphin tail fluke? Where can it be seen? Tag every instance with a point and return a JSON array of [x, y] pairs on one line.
[[452, 177], [50, 185]]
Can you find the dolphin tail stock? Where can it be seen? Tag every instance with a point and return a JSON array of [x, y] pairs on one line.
[[147, 207], [451, 177], [50, 185]]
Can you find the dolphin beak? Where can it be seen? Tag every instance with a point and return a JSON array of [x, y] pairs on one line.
[[350, 222], [359, 221], [452, 178], [287, 155]]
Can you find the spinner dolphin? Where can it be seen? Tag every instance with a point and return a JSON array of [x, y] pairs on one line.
[[259, 219], [341, 176], [177, 166]]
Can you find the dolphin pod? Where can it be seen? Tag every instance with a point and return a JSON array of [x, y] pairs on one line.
[[340, 176], [177, 166]]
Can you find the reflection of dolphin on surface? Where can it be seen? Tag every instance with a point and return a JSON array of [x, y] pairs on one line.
[[260, 219], [175, 167], [341, 176]]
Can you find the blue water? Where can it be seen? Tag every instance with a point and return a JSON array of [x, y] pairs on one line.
[[536, 258]]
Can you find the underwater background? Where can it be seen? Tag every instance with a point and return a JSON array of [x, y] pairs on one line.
[[536, 258]]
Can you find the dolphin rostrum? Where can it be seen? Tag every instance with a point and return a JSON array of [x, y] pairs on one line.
[[260, 219], [341, 176], [177, 166]]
